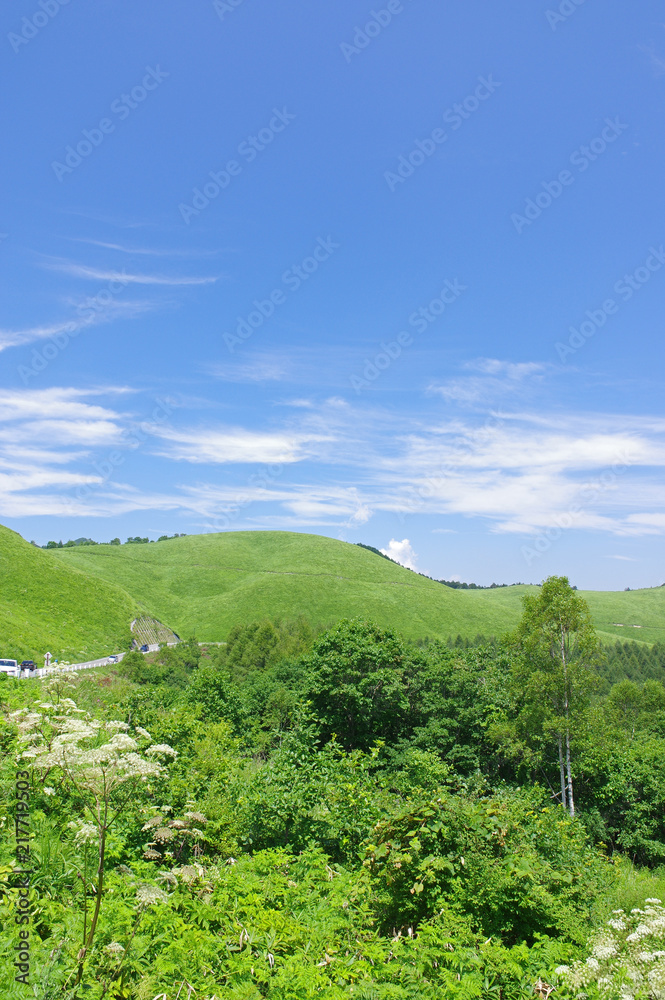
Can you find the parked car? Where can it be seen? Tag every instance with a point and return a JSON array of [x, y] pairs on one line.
[[144, 648], [112, 659], [28, 665], [9, 667]]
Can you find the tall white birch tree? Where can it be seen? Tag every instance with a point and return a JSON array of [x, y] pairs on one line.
[[558, 646]]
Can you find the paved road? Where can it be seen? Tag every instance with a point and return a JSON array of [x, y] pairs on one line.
[[50, 671]]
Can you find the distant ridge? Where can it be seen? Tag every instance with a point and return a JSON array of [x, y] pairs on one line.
[[206, 584]]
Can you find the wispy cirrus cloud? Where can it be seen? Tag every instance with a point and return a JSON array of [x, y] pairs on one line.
[[492, 380], [57, 403], [260, 369], [18, 338], [88, 314], [105, 274], [221, 446], [151, 251], [35, 477], [515, 472]]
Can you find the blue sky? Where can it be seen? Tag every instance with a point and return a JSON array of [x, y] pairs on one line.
[[392, 273]]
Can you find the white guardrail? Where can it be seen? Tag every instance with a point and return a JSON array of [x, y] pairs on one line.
[[103, 661]]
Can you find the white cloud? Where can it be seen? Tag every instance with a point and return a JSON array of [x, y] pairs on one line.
[[517, 473], [115, 309], [37, 431], [402, 552], [512, 370], [652, 523], [220, 446], [101, 274], [55, 403], [17, 338], [495, 379], [149, 251], [260, 369], [90, 433]]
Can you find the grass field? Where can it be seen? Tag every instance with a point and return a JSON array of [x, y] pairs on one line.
[[204, 584], [49, 604]]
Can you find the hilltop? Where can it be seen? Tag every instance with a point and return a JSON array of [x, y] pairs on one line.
[[206, 584], [48, 604]]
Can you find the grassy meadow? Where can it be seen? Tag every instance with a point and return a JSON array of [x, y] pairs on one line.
[[79, 601], [48, 604], [207, 584]]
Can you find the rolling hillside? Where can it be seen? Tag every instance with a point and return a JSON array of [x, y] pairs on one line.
[[205, 584], [48, 604]]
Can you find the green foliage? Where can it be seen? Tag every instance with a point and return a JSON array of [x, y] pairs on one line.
[[357, 685], [552, 678], [101, 769], [515, 866], [306, 794], [405, 858], [173, 666], [262, 644], [553, 621], [633, 661], [216, 697], [625, 791]]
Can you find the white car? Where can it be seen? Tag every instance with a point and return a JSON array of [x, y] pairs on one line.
[[9, 667]]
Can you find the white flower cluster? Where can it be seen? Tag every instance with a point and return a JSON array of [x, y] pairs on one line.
[[85, 832], [101, 756], [628, 963], [149, 895]]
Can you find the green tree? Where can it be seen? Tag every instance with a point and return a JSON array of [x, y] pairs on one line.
[[358, 684], [558, 646], [259, 645]]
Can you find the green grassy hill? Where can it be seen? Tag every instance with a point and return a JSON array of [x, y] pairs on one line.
[[205, 584], [49, 604]]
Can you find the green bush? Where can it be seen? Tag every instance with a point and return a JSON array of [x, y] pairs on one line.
[[515, 866]]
